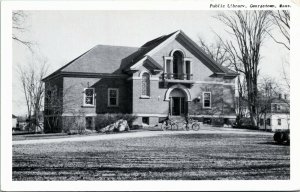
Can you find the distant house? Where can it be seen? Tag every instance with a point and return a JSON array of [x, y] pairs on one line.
[[169, 75], [278, 114], [14, 121]]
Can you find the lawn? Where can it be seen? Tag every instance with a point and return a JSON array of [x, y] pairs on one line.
[[208, 156]]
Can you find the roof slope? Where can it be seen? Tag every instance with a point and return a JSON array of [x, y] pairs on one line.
[[116, 59], [101, 59], [145, 48]]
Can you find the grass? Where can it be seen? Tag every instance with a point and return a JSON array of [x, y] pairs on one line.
[[185, 157]]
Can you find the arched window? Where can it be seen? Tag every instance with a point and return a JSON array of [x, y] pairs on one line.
[[146, 84], [178, 65]]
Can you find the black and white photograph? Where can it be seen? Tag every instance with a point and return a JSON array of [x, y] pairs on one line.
[[179, 95]]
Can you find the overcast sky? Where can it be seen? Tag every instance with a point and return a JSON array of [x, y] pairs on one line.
[[64, 35]]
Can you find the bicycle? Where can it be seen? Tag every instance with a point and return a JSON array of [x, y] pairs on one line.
[[191, 123], [169, 124]]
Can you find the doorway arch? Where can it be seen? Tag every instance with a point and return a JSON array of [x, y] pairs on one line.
[[178, 97], [181, 87]]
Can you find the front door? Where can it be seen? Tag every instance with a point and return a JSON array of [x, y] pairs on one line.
[[177, 106]]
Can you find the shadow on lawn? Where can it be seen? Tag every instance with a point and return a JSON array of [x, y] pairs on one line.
[[273, 143], [124, 169]]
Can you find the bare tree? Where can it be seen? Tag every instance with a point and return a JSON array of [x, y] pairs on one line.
[[281, 20], [224, 56], [56, 102], [285, 76], [31, 77], [216, 51], [18, 24], [269, 90], [248, 30]]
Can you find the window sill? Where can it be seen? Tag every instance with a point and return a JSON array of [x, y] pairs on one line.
[[145, 97], [113, 106], [88, 106]]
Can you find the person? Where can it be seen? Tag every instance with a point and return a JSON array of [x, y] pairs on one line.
[[187, 121]]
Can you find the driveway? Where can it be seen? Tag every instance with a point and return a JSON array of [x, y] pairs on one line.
[[138, 134]]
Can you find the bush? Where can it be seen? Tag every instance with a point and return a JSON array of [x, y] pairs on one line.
[[74, 125], [245, 123], [218, 122], [282, 136], [253, 127], [104, 120]]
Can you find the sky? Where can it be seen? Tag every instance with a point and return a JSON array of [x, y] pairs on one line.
[[61, 36]]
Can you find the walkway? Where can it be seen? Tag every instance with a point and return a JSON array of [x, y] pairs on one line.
[[138, 134]]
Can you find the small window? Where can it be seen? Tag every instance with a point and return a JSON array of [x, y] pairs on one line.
[[269, 122], [279, 121], [113, 95], [285, 96], [89, 123], [207, 121], [278, 107], [279, 95], [89, 97], [206, 100], [145, 120], [275, 107]]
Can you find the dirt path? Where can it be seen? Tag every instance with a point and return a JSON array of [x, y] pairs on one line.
[[209, 130]]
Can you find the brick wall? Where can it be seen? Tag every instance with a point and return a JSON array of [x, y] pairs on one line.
[[53, 89], [74, 94], [200, 71], [153, 105], [222, 100], [125, 95]]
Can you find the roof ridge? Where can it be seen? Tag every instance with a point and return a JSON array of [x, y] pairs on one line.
[[148, 43], [115, 46]]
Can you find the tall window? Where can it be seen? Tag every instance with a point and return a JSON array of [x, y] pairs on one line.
[[279, 121], [269, 122], [261, 122], [146, 84], [207, 100], [177, 65], [89, 97], [113, 97]]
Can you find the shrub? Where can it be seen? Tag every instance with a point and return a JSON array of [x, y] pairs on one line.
[[74, 125], [104, 120], [218, 122]]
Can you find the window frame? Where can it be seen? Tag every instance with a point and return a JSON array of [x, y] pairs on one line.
[[203, 100], [261, 122], [186, 60], [93, 99], [108, 97], [278, 108], [268, 123], [149, 81], [279, 121]]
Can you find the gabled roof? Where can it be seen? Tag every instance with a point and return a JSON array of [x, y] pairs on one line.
[[153, 46], [99, 59], [106, 59], [280, 100]]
